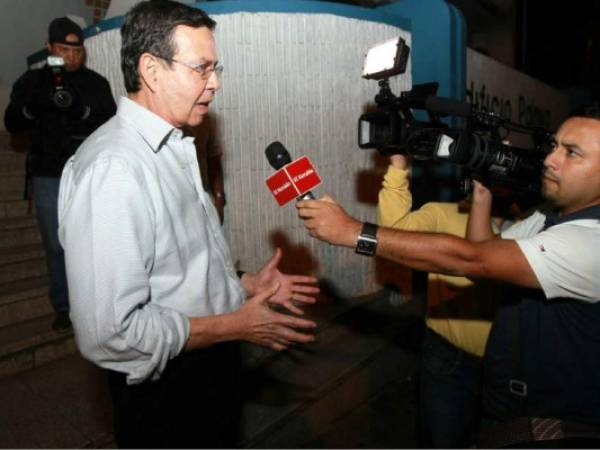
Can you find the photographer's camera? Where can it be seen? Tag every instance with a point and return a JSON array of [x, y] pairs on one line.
[[62, 98]]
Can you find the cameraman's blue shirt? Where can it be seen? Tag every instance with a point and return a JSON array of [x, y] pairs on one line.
[[143, 244]]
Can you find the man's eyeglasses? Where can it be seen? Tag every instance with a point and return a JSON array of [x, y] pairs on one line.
[[205, 70]]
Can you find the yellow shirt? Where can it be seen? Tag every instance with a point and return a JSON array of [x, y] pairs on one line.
[[465, 321]]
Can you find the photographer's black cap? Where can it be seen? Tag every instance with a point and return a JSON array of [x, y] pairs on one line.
[[60, 28]]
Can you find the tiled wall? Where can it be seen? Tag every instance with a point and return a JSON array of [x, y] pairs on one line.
[[100, 8]]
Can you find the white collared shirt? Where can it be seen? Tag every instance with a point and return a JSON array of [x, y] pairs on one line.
[[143, 244], [564, 257]]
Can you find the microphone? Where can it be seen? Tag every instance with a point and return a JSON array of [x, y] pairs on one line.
[[293, 179], [277, 155], [447, 106]]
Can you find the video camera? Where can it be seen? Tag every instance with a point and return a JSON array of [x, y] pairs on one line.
[[480, 145], [62, 98]]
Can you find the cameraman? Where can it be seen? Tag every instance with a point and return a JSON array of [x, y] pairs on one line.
[[57, 107], [543, 355]]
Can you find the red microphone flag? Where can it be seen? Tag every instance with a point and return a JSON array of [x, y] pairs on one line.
[[293, 180]]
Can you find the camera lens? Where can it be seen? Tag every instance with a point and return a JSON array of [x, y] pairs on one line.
[[62, 99]]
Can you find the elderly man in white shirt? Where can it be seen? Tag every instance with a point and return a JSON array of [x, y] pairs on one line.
[[155, 297]]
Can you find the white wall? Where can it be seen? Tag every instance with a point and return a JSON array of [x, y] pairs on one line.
[[24, 25], [120, 7]]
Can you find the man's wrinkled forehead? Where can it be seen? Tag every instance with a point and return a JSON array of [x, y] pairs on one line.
[[196, 40]]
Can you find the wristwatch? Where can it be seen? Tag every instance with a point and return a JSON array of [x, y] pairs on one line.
[[366, 243]]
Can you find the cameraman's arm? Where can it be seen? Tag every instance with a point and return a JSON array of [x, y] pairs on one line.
[[499, 259], [17, 117], [395, 199], [395, 202], [479, 227]]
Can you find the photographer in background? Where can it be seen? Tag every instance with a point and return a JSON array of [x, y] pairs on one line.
[[57, 106]]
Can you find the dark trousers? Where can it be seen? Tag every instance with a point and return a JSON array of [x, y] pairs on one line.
[[45, 197], [450, 394], [195, 404]]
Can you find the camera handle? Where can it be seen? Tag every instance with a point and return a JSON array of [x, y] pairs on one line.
[[385, 95]]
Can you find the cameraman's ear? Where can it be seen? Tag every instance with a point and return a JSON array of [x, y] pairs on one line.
[[148, 68]]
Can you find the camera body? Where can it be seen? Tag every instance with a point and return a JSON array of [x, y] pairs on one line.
[[480, 146], [392, 128], [61, 96], [487, 157]]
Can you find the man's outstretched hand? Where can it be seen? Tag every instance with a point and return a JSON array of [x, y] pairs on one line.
[[258, 323], [292, 288]]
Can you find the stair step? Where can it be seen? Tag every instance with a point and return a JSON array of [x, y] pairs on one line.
[[12, 183], [18, 254], [19, 236], [329, 394], [5, 141], [24, 310], [18, 290], [356, 355], [11, 196], [15, 208], [24, 300], [12, 162], [31, 344], [19, 270], [12, 223]]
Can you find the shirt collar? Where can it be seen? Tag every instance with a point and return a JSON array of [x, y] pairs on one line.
[[591, 212], [151, 127]]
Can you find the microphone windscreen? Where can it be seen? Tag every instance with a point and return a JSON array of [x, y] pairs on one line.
[[277, 155]]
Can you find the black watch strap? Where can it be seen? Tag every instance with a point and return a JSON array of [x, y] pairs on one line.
[[366, 243]]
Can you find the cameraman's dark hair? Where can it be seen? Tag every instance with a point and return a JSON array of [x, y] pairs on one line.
[[587, 112], [148, 28], [592, 112]]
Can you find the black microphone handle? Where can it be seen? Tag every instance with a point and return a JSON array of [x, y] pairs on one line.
[[306, 196]]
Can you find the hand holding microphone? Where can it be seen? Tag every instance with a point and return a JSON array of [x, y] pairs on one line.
[[324, 219], [327, 221]]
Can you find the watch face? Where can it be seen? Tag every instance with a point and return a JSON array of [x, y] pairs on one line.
[[367, 240], [366, 245]]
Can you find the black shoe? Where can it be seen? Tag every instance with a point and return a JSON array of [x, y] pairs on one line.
[[61, 323]]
